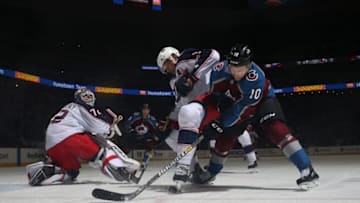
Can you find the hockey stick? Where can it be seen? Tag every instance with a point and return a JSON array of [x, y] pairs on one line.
[[136, 179], [114, 196]]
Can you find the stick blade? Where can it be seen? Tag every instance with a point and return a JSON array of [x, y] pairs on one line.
[[108, 195]]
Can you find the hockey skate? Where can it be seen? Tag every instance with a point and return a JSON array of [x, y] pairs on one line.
[[202, 176], [253, 167], [309, 179], [182, 174], [197, 169]]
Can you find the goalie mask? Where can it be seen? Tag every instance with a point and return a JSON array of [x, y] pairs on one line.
[[84, 96]]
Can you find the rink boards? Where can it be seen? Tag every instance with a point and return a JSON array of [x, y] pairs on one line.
[[23, 156]]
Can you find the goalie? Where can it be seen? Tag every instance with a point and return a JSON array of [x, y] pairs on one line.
[[79, 131]]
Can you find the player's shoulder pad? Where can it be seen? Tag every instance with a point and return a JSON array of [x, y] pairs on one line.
[[189, 53]]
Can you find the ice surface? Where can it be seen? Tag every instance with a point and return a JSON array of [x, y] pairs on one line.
[[275, 183]]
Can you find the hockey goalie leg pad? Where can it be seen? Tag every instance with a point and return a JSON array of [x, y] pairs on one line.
[[96, 162], [117, 166], [38, 172], [123, 160]]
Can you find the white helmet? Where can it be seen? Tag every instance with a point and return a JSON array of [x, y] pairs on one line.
[[165, 54]]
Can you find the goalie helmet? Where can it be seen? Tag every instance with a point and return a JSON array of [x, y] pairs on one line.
[[240, 54], [84, 96], [166, 53]]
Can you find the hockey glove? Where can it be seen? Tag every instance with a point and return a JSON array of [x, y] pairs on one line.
[[213, 130], [184, 85]]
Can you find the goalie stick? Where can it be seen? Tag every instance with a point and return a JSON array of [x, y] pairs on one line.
[[136, 179], [114, 196]]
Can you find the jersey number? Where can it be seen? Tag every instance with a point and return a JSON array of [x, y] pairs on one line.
[[59, 116], [95, 112], [255, 93]]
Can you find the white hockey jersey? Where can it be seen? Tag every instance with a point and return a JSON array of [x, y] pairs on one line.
[[199, 63], [71, 119]]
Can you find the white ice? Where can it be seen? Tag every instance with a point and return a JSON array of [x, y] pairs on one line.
[[275, 183]]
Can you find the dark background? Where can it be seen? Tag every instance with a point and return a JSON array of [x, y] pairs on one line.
[[99, 43]]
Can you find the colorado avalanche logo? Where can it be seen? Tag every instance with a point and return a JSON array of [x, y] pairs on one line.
[[218, 66], [252, 75], [141, 129]]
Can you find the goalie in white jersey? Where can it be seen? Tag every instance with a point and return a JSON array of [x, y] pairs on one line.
[[191, 70], [78, 132]]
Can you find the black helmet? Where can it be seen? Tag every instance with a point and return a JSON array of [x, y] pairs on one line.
[[240, 54]]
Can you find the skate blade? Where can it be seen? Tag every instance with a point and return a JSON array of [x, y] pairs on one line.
[[309, 185]]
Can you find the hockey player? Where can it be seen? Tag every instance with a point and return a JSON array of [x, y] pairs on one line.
[[191, 71], [240, 82], [78, 132], [141, 128]]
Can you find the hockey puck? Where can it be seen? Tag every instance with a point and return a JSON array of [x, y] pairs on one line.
[[173, 189]]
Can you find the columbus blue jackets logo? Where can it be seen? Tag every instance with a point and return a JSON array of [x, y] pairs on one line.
[[252, 75]]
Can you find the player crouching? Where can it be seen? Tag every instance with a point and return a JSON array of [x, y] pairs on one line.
[[79, 131]]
